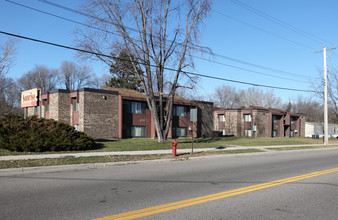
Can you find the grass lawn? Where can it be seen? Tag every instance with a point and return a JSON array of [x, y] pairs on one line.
[[151, 144], [272, 141]]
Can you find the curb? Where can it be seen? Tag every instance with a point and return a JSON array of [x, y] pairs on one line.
[[72, 167]]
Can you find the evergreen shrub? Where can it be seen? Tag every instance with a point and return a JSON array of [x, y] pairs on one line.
[[38, 135]]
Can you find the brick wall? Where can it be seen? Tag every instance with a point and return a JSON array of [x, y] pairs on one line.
[[98, 113], [302, 126], [59, 102], [232, 124], [261, 119], [205, 119]]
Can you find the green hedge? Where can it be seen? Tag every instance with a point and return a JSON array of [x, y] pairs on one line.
[[38, 135]]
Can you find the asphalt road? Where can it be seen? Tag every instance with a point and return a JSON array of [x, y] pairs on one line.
[[87, 193]]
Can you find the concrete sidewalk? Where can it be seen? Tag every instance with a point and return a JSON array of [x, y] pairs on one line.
[[179, 151]]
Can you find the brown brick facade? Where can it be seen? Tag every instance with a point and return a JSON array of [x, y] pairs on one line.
[[99, 113], [258, 122], [205, 115], [230, 124], [106, 114]]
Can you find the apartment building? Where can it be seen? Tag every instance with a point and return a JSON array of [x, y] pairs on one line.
[[113, 113], [256, 121]]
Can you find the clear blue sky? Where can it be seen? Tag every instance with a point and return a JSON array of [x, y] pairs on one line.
[[237, 33]]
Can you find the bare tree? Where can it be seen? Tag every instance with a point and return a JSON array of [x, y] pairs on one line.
[[39, 77], [7, 52], [159, 34], [230, 97], [311, 108], [72, 76], [332, 92], [226, 97], [97, 82], [192, 92], [258, 97], [8, 98]]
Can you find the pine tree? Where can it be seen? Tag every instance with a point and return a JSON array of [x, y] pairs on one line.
[[123, 73]]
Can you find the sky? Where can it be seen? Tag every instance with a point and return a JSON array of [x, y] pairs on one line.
[[262, 42]]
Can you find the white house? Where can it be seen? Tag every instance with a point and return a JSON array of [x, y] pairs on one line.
[[312, 128]]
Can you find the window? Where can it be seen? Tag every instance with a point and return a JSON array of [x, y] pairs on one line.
[[47, 108], [292, 120], [35, 110], [247, 118], [292, 133], [247, 133], [275, 119], [221, 118], [179, 132], [136, 131], [76, 105], [274, 133], [76, 127], [180, 110], [222, 131], [136, 107]]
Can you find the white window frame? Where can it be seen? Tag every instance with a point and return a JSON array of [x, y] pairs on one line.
[[76, 105], [221, 117], [247, 118], [248, 133], [274, 133], [222, 131]]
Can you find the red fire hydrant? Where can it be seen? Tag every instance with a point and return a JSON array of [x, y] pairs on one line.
[[174, 144]]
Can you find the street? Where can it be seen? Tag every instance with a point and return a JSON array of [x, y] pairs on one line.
[[239, 187]]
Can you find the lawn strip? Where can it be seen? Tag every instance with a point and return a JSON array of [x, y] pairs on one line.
[[115, 158], [77, 160], [294, 148], [143, 144], [239, 151]]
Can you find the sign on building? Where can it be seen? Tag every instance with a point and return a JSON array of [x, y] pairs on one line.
[[30, 98]]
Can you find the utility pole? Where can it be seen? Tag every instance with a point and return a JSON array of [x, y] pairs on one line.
[[326, 127]]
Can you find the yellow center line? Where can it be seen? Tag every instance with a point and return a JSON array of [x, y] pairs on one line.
[[212, 197]]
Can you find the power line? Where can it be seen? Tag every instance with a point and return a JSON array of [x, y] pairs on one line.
[[335, 66], [76, 22], [260, 66], [263, 30], [171, 69], [247, 83], [60, 17], [204, 51], [280, 22], [81, 13], [80, 23], [265, 74]]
